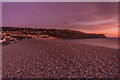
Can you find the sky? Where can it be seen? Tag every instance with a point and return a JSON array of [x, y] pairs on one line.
[[60, 0], [90, 17]]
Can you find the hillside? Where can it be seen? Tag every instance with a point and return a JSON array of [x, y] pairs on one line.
[[57, 33]]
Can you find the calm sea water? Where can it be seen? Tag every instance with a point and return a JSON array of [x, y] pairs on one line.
[[104, 42]]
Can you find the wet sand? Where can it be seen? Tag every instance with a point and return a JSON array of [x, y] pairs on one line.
[[32, 58]]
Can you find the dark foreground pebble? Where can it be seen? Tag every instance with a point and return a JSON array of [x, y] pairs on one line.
[[32, 58]]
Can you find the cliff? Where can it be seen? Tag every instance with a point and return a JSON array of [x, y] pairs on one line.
[[57, 33]]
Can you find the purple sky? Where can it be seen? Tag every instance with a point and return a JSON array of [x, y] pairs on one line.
[[95, 17]]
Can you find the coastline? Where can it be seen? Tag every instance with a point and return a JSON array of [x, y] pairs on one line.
[[33, 58], [102, 42]]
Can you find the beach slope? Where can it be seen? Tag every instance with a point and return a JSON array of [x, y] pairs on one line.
[[32, 58]]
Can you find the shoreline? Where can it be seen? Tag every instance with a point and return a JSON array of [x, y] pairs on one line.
[[83, 41], [102, 42]]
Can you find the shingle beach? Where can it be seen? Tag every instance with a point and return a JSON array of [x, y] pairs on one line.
[[32, 58]]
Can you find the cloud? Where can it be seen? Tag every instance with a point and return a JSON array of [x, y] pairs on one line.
[[81, 15]]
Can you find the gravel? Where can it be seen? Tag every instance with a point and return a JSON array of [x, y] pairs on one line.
[[32, 58]]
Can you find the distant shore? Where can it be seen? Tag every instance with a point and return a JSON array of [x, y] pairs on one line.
[[31, 58], [13, 34]]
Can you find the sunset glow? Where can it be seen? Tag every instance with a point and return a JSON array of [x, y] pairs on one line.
[[94, 17], [113, 32]]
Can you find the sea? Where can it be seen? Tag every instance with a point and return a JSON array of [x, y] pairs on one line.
[[103, 42]]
